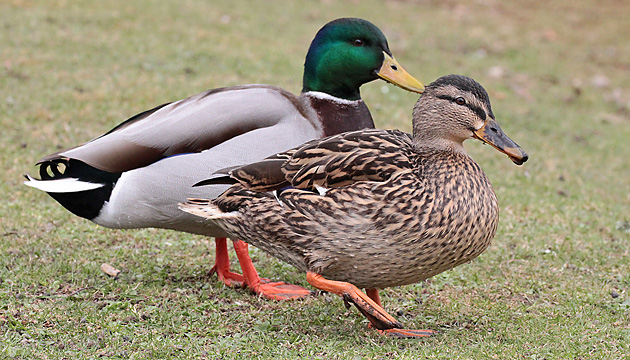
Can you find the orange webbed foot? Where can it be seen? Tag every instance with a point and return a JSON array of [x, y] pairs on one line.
[[264, 287], [229, 278], [277, 290], [378, 317]]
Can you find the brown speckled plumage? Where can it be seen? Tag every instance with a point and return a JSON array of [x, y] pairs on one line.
[[409, 219], [375, 208]]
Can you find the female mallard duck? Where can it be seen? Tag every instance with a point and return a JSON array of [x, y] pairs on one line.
[[374, 208], [130, 178]]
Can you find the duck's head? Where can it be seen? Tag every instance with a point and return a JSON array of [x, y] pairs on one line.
[[347, 53], [455, 108]]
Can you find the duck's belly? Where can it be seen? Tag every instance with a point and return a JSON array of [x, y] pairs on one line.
[[402, 263]]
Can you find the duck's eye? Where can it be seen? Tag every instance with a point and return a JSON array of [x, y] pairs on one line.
[[357, 42], [460, 101]]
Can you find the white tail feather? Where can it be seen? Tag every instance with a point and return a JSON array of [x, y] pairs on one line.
[[206, 210], [67, 185]]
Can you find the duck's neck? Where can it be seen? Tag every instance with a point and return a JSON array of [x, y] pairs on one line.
[[337, 87], [428, 135], [338, 115], [427, 138], [439, 144]]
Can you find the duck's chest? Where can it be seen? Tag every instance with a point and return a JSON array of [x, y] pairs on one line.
[[458, 202], [338, 115]]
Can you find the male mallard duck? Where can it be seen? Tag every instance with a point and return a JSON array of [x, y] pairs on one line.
[[374, 208], [130, 178]]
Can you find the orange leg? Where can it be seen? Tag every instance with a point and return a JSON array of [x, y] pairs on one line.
[[271, 290], [373, 294], [375, 313], [222, 265]]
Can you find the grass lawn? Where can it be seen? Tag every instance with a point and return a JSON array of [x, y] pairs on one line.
[[555, 284]]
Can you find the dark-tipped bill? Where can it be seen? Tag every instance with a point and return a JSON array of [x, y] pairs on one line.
[[492, 134], [392, 72]]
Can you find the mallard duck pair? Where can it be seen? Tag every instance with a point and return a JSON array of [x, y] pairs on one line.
[[374, 208], [131, 178]]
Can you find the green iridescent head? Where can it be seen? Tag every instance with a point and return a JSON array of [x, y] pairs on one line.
[[347, 53]]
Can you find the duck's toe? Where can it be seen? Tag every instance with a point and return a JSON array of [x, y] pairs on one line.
[[378, 317], [280, 290], [407, 334], [229, 278]]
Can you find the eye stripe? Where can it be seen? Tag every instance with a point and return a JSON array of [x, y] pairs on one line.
[[477, 110]]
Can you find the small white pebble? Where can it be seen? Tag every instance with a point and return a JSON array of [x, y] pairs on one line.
[[600, 81]]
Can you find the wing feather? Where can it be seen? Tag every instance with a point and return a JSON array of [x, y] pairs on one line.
[[191, 125], [340, 160]]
